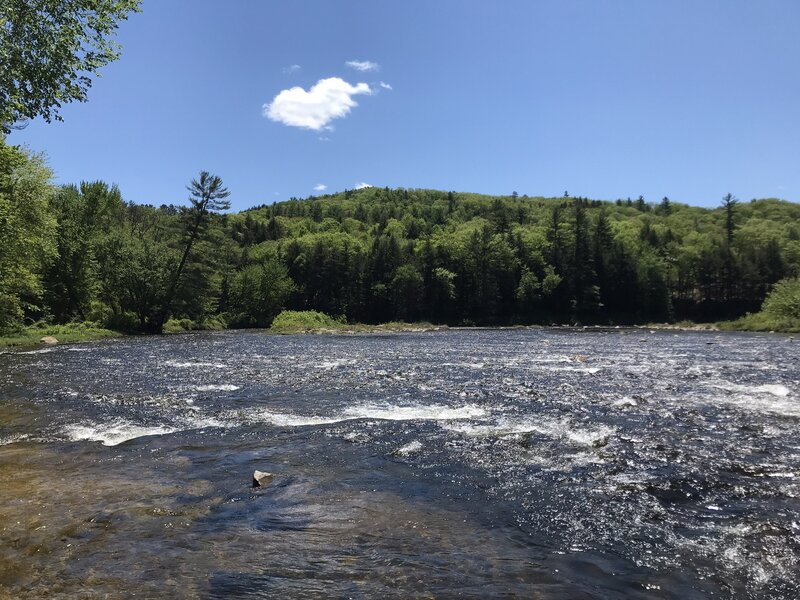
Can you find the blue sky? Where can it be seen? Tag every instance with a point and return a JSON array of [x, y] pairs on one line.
[[689, 99]]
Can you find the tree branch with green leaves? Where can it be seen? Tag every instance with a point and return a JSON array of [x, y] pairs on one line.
[[50, 50]]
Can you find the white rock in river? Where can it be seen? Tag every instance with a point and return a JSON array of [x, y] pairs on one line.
[[260, 478]]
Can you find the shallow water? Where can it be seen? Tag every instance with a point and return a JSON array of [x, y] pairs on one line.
[[536, 464]]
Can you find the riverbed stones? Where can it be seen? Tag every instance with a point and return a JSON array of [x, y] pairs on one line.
[[49, 340], [261, 478]]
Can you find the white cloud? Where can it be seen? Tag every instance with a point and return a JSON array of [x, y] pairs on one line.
[[362, 65], [385, 86], [328, 99], [362, 185], [320, 187], [291, 69]]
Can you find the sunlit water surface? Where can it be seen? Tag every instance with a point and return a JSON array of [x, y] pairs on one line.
[[525, 463]]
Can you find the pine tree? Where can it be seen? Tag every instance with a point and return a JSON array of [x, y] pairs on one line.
[[207, 195]]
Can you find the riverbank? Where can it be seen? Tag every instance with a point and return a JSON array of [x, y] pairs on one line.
[[761, 322], [87, 332], [681, 326], [70, 333], [393, 327], [312, 321]]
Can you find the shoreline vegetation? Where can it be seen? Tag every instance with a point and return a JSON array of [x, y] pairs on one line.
[[71, 333], [758, 323], [293, 322], [311, 321], [64, 334], [317, 323], [81, 254]]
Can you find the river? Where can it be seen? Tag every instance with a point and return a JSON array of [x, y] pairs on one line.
[[550, 463]]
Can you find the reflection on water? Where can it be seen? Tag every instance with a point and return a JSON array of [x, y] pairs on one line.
[[537, 464]]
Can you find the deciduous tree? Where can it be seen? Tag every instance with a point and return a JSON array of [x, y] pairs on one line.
[[50, 50]]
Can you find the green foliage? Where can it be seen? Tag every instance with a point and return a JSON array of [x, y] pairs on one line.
[[294, 321], [84, 214], [183, 325], [780, 311], [137, 270], [406, 290], [68, 333], [441, 292], [26, 233], [10, 311], [761, 321], [258, 292], [49, 49], [783, 301], [528, 291]]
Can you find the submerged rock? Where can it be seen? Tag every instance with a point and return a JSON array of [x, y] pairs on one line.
[[409, 449], [48, 339], [626, 401], [261, 478]]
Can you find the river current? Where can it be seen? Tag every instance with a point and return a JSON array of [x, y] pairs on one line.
[[544, 464]]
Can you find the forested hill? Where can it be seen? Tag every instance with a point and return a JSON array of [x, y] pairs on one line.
[[379, 254], [376, 255]]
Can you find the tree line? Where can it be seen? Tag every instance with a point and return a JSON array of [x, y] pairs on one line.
[[82, 253]]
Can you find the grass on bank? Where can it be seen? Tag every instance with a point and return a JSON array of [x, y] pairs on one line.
[[780, 311], [88, 331], [298, 321], [216, 323], [312, 321], [761, 322], [69, 333]]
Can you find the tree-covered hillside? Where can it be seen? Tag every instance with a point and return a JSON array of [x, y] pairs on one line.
[[375, 255], [379, 254]]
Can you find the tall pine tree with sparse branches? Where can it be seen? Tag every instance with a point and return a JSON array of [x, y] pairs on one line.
[[207, 195]]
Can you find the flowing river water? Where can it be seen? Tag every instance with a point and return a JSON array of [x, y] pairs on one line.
[[516, 463]]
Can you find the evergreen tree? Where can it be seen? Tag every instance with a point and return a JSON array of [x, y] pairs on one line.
[[729, 206], [207, 195]]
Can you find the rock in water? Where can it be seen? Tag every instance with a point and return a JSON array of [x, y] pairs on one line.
[[260, 478], [48, 339]]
